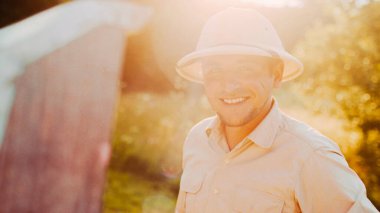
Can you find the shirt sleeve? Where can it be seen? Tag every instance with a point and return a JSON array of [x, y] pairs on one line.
[[180, 205], [327, 184]]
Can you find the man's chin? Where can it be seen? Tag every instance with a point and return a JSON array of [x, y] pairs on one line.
[[234, 121]]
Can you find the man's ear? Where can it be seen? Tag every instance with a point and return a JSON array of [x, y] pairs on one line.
[[278, 70]]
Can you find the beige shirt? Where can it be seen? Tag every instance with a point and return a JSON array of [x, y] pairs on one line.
[[282, 166]]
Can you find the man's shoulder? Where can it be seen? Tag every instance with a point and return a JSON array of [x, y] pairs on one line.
[[305, 136]]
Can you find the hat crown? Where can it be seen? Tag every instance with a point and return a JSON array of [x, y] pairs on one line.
[[237, 26], [237, 31]]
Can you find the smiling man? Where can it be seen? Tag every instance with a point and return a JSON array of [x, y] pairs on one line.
[[243, 97], [251, 157]]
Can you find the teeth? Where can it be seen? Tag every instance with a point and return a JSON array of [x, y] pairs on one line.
[[233, 100]]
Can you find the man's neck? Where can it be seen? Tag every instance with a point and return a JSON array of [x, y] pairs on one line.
[[234, 134]]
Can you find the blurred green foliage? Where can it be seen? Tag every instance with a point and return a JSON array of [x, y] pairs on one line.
[[150, 130], [127, 192], [147, 149], [342, 63]]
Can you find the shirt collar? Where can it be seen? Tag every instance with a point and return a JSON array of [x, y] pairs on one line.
[[214, 125], [263, 135]]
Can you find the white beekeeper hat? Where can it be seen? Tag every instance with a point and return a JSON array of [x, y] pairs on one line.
[[238, 31]]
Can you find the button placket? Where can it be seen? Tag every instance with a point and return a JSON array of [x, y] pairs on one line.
[[216, 191], [215, 179], [246, 144], [227, 160], [229, 157]]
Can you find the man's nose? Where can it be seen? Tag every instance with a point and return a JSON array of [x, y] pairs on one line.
[[231, 86]]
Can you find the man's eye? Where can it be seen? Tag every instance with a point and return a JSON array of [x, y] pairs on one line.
[[212, 71]]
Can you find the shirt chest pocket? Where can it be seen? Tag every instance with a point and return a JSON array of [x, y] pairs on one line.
[[256, 201], [191, 184]]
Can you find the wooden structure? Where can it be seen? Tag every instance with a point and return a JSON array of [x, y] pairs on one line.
[[56, 143]]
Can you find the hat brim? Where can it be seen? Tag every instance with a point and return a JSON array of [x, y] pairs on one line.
[[190, 67]]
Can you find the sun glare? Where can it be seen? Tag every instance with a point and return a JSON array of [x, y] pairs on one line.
[[276, 3]]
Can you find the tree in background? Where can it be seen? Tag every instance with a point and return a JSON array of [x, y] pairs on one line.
[[342, 63], [15, 10]]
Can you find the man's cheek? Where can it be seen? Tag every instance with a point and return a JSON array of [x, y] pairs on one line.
[[211, 91], [261, 87]]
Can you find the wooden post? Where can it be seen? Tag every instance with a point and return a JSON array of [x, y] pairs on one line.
[[56, 145]]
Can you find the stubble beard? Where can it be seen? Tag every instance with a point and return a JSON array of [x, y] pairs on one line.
[[236, 121]]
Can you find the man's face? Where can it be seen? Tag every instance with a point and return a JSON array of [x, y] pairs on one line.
[[240, 87]]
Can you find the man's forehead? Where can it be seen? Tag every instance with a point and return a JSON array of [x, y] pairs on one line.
[[216, 59]]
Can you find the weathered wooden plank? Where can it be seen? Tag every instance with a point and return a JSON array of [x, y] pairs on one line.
[[55, 148]]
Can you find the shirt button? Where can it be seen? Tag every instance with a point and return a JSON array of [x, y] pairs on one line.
[[216, 191]]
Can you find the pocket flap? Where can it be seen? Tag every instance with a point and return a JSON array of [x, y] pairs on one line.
[[191, 181]]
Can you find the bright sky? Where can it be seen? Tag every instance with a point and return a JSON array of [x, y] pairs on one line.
[[276, 3]]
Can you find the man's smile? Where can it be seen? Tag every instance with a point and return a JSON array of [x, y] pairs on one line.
[[237, 100]]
